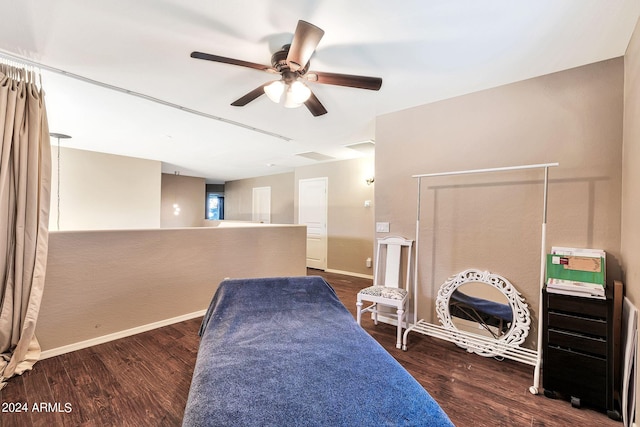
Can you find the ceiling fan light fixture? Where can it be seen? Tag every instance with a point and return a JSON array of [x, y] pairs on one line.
[[275, 90], [292, 63], [290, 103], [297, 93]]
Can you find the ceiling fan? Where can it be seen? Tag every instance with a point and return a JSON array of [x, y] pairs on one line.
[[292, 63]]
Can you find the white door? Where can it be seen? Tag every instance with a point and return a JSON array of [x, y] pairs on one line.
[[261, 205], [312, 212]]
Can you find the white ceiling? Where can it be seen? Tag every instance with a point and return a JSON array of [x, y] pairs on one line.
[[424, 50]]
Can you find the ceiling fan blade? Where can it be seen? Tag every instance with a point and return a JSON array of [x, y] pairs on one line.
[[244, 100], [225, 60], [360, 82], [315, 106], [305, 41]]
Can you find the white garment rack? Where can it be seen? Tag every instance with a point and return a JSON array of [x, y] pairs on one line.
[[531, 357]]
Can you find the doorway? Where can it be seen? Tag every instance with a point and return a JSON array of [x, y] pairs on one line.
[[312, 212], [261, 205]]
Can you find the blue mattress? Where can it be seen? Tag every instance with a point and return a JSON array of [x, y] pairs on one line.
[[286, 352]]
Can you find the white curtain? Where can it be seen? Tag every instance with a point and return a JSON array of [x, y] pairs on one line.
[[25, 185]]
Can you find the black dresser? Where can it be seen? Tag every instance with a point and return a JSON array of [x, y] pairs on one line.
[[581, 342]]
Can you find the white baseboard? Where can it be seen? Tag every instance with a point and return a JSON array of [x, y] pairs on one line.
[[348, 273], [117, 335], [389, 320]]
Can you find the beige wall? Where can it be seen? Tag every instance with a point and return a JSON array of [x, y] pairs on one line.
[[350, 226], [104, 191], [492, 221], [630, 247], [238, 197], [189, 194], [105, 282]]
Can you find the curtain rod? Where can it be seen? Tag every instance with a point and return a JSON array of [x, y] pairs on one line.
[[507, 168], [138, 95]]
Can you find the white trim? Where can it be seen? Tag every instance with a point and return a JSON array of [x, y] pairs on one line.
[[349, 273], [117, 335]]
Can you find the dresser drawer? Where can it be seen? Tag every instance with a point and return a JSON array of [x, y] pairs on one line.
[[583, 325], [577, 305], [577, 342], [576, 375]]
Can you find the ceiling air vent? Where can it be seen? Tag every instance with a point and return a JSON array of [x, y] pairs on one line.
[[366, 147], [319, 157]]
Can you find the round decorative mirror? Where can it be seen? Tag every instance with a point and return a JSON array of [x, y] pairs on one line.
[[486, 312]]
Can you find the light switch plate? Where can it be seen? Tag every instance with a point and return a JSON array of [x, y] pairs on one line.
[[382, 227]]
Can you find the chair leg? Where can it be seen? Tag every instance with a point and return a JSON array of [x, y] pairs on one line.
[[359, 311], [375, 314], [399, 335]]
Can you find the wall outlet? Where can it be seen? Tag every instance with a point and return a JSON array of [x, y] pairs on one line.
[[382, 227]]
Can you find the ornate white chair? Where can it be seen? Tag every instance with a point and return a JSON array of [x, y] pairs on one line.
[[386, 290]]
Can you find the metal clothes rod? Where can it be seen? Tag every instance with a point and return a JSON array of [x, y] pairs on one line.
[[421, 326], [507, 168]]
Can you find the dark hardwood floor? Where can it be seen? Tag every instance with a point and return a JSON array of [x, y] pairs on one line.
[[144, 380]]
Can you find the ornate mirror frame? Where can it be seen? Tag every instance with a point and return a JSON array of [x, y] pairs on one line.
[[488, 347]]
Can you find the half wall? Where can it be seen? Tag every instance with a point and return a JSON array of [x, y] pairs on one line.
[[103, 285]]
